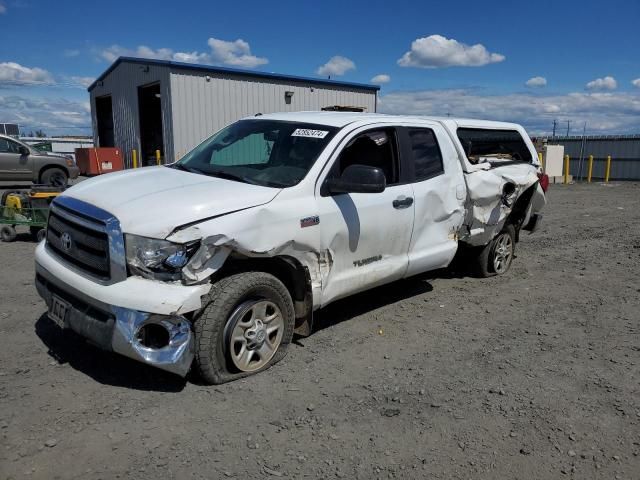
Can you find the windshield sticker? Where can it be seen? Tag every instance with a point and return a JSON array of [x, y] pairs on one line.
[[305, 132]]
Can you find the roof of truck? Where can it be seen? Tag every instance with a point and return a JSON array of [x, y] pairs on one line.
[[340, 119]]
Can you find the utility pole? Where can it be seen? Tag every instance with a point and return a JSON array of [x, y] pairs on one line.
[[568, 126], [582, 147]]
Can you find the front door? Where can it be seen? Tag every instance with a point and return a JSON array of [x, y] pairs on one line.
[[13, 164], [366, 235]]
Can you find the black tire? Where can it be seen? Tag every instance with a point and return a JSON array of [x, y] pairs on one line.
[[8, 233], [484, 262], [56, 177], [37, 233], [213, 323]]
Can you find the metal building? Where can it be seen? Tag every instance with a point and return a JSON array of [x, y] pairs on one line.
[[150, 105]]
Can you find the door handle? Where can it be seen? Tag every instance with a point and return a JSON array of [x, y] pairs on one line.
[[402, 202]]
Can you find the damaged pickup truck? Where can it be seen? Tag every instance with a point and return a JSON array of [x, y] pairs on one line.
[[217, 259]]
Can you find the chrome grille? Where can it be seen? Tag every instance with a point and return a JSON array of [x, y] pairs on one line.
[[80, 241]]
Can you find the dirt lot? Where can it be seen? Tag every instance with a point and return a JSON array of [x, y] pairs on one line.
[[532, 375]]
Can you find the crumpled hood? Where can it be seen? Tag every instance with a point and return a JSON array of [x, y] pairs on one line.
[[153, 201]]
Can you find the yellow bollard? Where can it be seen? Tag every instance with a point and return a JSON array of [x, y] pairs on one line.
[[566, 169], [541, 161], [608, 172], [135, 158], [158, 157], [590, 169]]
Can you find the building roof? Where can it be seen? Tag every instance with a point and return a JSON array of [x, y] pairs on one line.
[[232, 71]]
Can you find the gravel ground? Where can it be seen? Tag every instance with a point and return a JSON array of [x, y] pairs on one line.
[[531, 375]]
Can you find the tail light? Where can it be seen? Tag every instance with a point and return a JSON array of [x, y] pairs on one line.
[[544, 181]]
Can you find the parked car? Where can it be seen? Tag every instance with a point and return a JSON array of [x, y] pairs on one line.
[[20, 162], [223, 255]]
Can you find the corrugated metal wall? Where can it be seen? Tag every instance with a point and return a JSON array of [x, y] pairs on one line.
[[122, 84], [624, 151], [201, 107]]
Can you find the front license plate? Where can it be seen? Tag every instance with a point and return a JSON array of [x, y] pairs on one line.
[[58, 311]]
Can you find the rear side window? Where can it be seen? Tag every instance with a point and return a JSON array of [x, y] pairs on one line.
[[493, 146], [427, 159]]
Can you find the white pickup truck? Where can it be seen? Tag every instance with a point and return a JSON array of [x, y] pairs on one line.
[[223, 255]]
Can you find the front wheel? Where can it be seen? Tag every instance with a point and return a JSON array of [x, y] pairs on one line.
[[55, 177], [245, 327], [495, 258], [37, 233]]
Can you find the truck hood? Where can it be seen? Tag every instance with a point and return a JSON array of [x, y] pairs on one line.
[[153, 201]]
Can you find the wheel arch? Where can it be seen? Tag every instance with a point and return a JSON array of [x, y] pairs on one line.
[[519, 213], [290, 271]]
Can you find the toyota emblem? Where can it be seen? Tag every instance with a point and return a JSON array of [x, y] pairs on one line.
[[66, 241]]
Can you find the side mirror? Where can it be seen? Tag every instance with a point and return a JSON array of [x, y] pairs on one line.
[[358, 179], [23, 150]]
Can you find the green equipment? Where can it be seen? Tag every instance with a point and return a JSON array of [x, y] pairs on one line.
[[28, 208]]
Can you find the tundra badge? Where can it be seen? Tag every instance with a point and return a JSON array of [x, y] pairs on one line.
[[309, 221]]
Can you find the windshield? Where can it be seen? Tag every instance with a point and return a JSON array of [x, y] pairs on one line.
[[262, 152]]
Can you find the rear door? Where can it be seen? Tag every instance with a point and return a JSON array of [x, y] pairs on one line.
[[366, 235], [439, 192]]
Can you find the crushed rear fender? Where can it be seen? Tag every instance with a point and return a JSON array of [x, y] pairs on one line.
[[492, 195]]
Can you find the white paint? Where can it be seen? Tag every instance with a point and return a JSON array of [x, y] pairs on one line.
[[134, 293], [152, 201], [360, 241]]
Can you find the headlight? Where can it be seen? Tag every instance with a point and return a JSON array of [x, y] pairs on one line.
[[70, 162], [159, 259]]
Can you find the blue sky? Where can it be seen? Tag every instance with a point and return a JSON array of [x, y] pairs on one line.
[[464, 58]]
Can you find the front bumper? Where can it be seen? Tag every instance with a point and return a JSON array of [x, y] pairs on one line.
[[73, 171], [117, 328]]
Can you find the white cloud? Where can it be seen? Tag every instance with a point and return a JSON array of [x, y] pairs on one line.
[[12, 73], [437, 51], [3, 9], [606, 83], [535, 82], [382, 78], [603, 112], [636, 82], [236, 53], [71, 52], [82, 81], [54, 115], [336, 66]]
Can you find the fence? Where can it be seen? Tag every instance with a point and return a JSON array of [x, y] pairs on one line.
[[624, 151]]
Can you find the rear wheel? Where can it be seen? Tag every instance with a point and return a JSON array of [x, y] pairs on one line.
[[495, 258], [244, 328], [8, 233], [56, 177]]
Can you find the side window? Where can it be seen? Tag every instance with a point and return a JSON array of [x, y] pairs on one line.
[[427, 159], [7, 146], [493, 146], [250, 150], [376, 148]]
